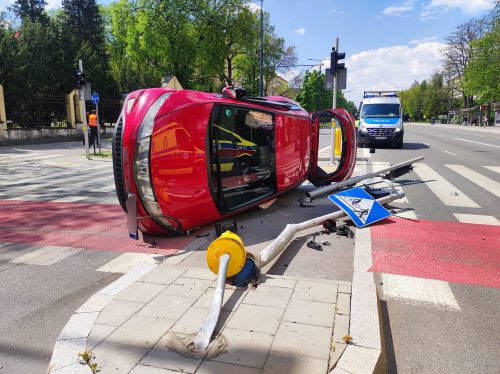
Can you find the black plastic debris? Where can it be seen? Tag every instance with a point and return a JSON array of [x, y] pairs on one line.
[[329, 226], [345, 230], [221, 227]]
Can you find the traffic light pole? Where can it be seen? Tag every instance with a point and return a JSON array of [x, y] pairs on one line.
[[334, 106], [98, 127], [85, 124]]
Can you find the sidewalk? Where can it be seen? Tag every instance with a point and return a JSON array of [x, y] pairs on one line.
[[489, 129], [143, 322]]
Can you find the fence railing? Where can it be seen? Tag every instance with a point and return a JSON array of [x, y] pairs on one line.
[[48, 110], [36, 110]]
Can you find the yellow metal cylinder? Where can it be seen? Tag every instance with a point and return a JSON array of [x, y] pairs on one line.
[[338, 141], [231, 244]]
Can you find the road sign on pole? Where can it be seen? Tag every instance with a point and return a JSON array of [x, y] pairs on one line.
[[95, 98], [360, 206]]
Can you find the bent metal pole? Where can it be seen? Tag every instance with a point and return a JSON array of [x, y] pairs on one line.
[[352, 181], [202, 339], [280, 243]]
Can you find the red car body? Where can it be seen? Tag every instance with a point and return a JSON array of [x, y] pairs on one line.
[[171, 175]]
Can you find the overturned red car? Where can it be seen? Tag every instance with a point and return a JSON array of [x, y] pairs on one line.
[[183, 158]]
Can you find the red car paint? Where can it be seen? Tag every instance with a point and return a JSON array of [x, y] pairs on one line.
[[192, 183]]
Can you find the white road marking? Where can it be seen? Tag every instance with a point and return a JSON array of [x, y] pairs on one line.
[[496, 169], [488, 184], [428, 291], [472, 141], [405, 213], [366, 152], [69, 199], [127, 261], [45, 256], [30, 158], [450, 153], [477, 219], [444, 190], [108, 188], [324, 149]]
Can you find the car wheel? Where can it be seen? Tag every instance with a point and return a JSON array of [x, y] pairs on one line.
[[244, 165]]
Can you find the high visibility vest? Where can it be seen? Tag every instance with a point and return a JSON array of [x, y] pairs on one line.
[[93, 120]]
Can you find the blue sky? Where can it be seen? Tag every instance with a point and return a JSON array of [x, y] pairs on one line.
[[388, 43]]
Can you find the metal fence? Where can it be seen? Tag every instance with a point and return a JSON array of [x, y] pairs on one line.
[[109, 110], [47, 110], [36, 110]]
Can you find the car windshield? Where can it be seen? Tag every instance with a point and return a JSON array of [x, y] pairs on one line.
[[380, 110]]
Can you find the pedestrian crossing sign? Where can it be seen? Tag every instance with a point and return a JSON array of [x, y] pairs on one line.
[[360, 206]]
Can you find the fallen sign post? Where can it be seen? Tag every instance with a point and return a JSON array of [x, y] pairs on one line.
[[224, 255]]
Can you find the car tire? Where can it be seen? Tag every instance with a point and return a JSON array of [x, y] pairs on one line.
[[398, 145]]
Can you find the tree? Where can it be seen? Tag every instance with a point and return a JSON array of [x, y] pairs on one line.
[[483, 69], [83, 38], [458, 51], [308, 94], [34, 10]]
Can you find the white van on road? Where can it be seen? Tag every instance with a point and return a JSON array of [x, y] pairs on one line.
[[380, 119]]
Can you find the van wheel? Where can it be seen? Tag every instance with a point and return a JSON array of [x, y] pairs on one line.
[[398, 145]]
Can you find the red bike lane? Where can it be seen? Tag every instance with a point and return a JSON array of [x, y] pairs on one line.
[[448, 251], [77, 225]]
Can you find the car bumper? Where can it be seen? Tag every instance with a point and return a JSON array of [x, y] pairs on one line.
[[365, 138]]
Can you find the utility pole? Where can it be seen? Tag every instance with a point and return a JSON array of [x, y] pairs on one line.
[[85, 124], [261, 82], [334, 105]]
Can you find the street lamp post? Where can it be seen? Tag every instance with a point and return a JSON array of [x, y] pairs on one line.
[[261, 82]]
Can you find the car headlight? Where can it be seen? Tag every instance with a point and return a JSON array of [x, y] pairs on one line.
[[398, 129], [362, 128], [142, 165]]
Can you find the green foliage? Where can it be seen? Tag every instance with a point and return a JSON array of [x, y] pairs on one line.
[[483, 69], [308, 94], [33, 10]]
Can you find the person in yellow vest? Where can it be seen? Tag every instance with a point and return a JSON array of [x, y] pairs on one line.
[[93, 128]]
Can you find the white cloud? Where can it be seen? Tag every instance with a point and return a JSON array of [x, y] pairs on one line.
[[300, 31], [391, 67], [423, 40], [335, 11], [253, 7], [53, 4], [470, 7], [397, 10]]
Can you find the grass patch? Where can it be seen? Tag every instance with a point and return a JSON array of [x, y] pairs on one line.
[[103, 154]]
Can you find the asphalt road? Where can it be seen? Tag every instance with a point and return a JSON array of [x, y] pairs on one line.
[[440, 297]]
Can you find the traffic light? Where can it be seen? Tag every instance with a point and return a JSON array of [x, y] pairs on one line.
[[335, 56], [79, 78]]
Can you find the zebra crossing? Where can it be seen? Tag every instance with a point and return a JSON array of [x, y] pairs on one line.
[[447, 193], [38, 176]]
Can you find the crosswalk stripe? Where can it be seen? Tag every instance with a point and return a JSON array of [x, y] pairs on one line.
[[108, 188], [30, 158], [477, 219], [429, 291], [444, 190], [44, 256], [405, 213], [16, 181], [484, 182], [69, 199], [127, 261], [496, 169]]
